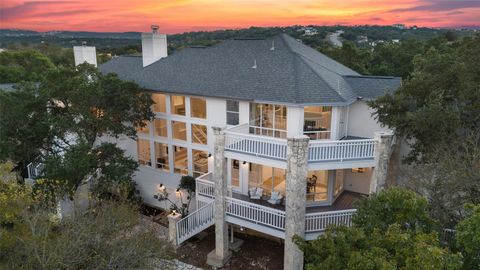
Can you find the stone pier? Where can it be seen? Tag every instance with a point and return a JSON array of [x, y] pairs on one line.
[[296, 189], [383, 151], [220, 255], [173, 218]]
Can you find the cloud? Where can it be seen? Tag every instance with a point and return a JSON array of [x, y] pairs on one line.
[[26, 8], [437, 6]]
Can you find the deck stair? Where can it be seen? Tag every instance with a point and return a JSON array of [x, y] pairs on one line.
[[195, 222]]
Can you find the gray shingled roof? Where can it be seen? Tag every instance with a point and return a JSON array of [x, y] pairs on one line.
[[291, 73]]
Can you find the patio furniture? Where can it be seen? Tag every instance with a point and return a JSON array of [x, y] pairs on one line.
[[256, 193], [275, 198]]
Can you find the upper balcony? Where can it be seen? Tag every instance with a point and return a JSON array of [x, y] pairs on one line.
[[239, 139]]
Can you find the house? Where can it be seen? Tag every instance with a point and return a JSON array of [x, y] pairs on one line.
[[399, 25], [279, 136], [362, 39]]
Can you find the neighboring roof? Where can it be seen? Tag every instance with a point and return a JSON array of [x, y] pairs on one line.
[[290, 73]]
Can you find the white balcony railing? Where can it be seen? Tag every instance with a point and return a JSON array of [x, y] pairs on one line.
[[318, 222], [255, 213], [204, 186], [319, 150], [35, 168], [260, 146], [194, 223], [341, 150]]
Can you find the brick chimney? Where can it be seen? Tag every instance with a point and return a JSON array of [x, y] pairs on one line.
[[84, 54]]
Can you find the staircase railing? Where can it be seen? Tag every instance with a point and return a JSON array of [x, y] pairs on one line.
[[194, 223]]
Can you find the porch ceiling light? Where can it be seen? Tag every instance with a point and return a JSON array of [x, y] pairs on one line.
[[244, 162], [209, 155]]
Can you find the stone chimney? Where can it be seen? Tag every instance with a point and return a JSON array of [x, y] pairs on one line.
[[84, 54], [154, 46]]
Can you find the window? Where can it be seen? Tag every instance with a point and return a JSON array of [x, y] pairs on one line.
[[179, 130], [198, 108], [160, 103], [338, 182], [232, 112], [143, 150], [266, 177], [161, 157], [199, 134], [200, 162], [235, 173], [317, 122], [317, 186], [143, 130], [268, 120], [160, 127], [177, 105], [180, 160]]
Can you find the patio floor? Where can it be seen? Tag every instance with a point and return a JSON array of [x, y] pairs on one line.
[[344, 201]]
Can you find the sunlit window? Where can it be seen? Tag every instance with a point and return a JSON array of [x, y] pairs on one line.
[[161, 157], [199, 134], [178, 105], [200, 162], [180, 159], [160, 103], [317, 122], [198, 108], [317, 186], [143, 150], [268, 120], [235, 173], [179, 130], [160, 127], [144, 129]]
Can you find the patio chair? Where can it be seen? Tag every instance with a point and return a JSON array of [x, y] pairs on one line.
[[275, 198], [256, 193]]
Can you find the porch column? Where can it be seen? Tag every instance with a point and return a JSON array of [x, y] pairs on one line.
[[383, 151], [296, 192], [220, 255]]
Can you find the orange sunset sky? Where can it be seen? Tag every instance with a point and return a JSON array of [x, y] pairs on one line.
[[192, 15]]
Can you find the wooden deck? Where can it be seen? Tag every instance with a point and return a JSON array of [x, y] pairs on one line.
[[346, 200]]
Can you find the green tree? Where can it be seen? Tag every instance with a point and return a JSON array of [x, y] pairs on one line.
[[393, 206], [351, 56], [468, 237], [23, 65], [440, 102]]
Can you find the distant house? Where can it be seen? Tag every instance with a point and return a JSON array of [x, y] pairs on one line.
[[399, 25], [362, 39], [278, 136], [310, 31]]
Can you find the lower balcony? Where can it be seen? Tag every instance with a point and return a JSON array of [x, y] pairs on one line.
[[239, 140]]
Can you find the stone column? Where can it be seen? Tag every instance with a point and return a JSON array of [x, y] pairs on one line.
[[172, 229], [220, 255], [296, 192], [383, 151]]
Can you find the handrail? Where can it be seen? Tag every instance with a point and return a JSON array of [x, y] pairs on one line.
[[255, 213], [194, 223], [341, 150], [318, 222]]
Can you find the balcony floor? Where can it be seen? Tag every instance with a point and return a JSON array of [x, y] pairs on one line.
[[345, 201]]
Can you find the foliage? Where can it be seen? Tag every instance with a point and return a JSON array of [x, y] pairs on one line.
[[187, 185], [23, 65], [108, 236], [440, 102], [451, 180], [468, 237], [393, 248], [351, 56], [393, 206]]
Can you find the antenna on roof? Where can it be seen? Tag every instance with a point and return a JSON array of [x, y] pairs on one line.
[[254, 63], [273, 46]]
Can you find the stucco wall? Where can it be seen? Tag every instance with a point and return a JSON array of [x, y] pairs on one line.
[[357, 182], [361, 122]]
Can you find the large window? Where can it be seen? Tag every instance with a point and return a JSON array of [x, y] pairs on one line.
[[268, 120], [198, 107], [160, 103], [317, 186], [232, 112], [178, 105], [266, 177], [199, 134], [200, 162], [161, 157], [235, 173], [160, 127], [179, 130], [143, 151], [317, 122], [338, 182], [180, 159]]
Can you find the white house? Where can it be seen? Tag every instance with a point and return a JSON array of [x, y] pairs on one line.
[[279, 136]]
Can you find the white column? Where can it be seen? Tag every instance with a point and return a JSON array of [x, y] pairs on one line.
[[244, 112], [295, 121]]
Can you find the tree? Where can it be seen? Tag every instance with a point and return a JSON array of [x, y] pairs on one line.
[[23, 65], [351, 56], [393, 206], [440, 102], [187, 184], [467, 237]]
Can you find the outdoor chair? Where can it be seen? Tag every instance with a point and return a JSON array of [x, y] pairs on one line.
[[275, 198], [256, 193]]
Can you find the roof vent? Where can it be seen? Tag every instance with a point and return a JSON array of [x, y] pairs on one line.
[[84, 43], [154, 28], [254, 64], [273, 46], [359, 98]]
